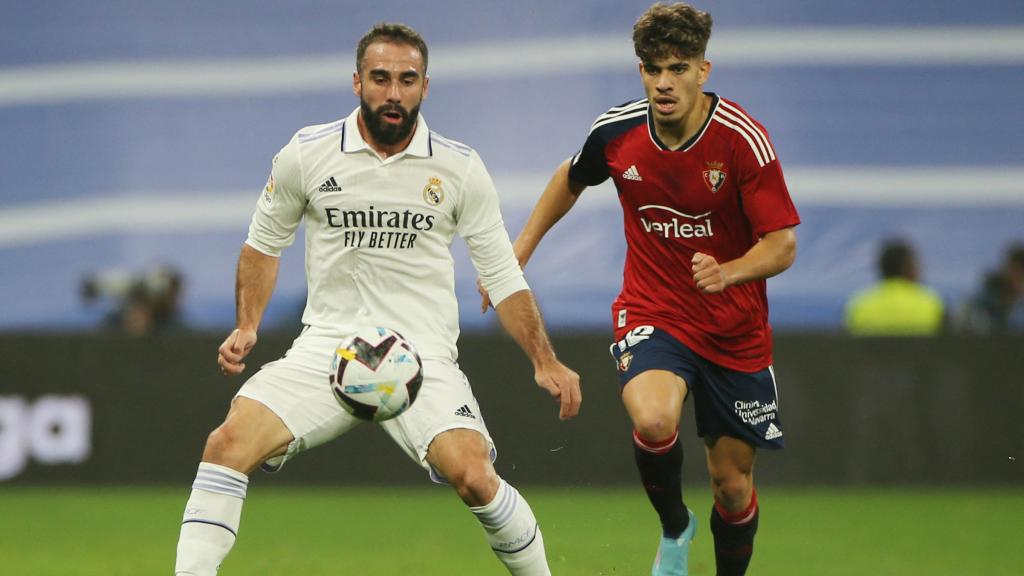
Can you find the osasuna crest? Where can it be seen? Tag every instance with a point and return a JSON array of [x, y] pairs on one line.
[[432, 192], [624, 361], [714, 176]]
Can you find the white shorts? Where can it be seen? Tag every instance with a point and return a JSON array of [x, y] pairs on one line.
[[296, 388]]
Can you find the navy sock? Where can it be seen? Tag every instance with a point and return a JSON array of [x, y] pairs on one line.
[[661, 471], [734, 537]]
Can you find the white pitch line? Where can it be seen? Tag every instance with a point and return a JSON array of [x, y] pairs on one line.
[[316, 73]]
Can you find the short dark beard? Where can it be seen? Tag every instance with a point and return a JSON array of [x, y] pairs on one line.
[[384, 133]]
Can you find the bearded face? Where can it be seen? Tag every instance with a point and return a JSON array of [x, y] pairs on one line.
[[390, 123]]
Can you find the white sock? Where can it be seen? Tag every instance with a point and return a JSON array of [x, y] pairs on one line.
[[211, 519], [513, 533]]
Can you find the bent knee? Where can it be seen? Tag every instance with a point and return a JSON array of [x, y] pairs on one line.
[[475, 482], [227, 446], [656, 425], [732, 489]]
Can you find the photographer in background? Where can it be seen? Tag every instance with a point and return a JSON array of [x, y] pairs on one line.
[[998, 305], [144, 302]]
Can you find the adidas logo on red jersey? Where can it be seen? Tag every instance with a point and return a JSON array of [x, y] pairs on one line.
[[632, 174]]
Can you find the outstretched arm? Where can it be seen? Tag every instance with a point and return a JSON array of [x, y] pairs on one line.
[[254, 283], [521, 318], [774, 253], [558, 198]]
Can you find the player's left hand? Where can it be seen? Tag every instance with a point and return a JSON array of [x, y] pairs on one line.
[[708, 274], [485, 298], [564, 386]]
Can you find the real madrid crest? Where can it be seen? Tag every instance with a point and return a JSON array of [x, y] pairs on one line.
[[714, 176], [432, 192]]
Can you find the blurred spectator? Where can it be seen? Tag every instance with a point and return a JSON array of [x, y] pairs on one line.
[[998, 306], [899, 305], [144, 302]]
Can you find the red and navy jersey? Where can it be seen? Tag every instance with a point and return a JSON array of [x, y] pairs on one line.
[[718, 193]]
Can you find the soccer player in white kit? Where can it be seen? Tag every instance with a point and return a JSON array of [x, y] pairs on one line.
[[382, 197]]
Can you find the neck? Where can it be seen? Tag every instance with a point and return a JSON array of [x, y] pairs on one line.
[[675, 134], [383, 150]]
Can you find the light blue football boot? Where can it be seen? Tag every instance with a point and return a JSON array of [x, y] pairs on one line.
[[673, 557]]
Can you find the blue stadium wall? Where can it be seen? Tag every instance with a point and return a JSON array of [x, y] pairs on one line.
[[140, 133]]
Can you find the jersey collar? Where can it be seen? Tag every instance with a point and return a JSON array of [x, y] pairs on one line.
[[352, 140], [696, 137]]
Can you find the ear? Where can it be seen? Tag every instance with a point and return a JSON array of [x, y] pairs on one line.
[[357, 84], [703, 72], [426, 86], [640, 68]]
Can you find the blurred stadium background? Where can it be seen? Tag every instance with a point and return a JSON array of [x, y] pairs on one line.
[[138, 135]]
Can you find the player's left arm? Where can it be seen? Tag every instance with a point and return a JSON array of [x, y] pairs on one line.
[[521, 318], [773, 254], [480, 224]]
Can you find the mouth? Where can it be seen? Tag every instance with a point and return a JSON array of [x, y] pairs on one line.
[[393, 116], [665, 104]]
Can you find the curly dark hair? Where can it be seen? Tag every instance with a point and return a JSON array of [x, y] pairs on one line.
[[671, 29], [390, 32]]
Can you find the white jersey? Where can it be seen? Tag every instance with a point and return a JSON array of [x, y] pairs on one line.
[[378, 232]]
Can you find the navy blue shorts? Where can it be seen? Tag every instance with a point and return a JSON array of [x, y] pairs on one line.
[[742, 405]]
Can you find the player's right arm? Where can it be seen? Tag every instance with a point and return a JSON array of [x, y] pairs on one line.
[[558, 198], [254, 283], [278, 213]]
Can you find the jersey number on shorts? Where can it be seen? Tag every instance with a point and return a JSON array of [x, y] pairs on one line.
[[632, 338]]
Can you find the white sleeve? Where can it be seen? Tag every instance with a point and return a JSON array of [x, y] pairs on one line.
[[480, 224], [281, 204]]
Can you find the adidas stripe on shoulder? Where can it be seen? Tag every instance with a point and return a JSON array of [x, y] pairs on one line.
[[733, 117], [620, 113], [322, 131]]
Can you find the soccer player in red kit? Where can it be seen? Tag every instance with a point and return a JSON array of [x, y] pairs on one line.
[[707, 219]]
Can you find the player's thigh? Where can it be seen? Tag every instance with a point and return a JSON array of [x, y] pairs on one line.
[[654, 402], [296, 389], [445, 403], [655, 371], [741, 405]]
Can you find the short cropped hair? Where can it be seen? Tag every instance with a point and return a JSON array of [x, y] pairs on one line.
[[896, 258], [390, 32], [671, 30]]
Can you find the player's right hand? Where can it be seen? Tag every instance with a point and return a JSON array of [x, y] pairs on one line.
[[234, 348]]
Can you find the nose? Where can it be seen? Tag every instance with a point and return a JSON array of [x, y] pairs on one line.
[[663, 85], [394, 92]]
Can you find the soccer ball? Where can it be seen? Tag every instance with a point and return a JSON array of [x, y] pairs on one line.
[[376, 374]]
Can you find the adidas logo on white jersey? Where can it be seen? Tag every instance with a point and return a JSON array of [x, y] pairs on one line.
[[465, 412], [632, 174], [773, 432], [330, 185]]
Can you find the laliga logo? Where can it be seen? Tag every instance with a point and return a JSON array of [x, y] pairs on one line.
[[51, 430]]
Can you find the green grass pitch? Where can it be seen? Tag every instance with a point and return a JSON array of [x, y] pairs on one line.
[[588, 531]]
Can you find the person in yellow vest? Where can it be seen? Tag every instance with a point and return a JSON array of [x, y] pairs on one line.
[[899, 305]]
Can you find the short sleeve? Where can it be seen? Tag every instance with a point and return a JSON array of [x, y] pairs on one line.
[[765, 197], [281, 204], [589, 166]]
